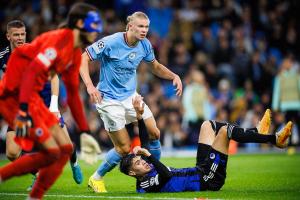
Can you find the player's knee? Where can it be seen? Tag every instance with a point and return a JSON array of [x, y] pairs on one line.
[[12, 155], [223, 131], [123, 149], [206, 125], [154, 134]]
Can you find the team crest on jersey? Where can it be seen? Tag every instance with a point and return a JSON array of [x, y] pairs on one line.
[[50, 53], [112, 123], [212, 156], [100, 44], [39, 132], [132, 55]]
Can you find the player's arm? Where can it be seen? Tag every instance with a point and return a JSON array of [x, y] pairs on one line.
[[38, 66], [54, 99], [84, 70], [85, 75], [71, 81], [54, 94], [161, 169], [163, 72], [138, 105], [92, 52]]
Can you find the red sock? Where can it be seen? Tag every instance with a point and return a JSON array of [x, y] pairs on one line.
[[28, 163], [48, 175]]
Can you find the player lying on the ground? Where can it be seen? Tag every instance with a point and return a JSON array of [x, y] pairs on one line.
[[212, 154]]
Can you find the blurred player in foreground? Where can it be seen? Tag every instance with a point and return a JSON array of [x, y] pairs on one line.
[[212, 154], [29, 68], [120, 54], [16, 34]]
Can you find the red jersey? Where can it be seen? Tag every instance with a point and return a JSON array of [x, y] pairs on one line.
[[51, 51]]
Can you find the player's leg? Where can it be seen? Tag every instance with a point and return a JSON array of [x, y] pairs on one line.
[[153, 131], [154, 136], [112, 114], [31, 162], [76, 170], [241, 135], [121, 142], [48, 127], [26, 163], [49, 174], [207, 135], [13, 150], [214, 166]]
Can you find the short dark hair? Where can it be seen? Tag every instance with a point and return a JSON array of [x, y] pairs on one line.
[[15, 24], [126, 163], [79, 11]]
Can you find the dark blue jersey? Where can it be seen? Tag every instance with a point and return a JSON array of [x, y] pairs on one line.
[[208, 174], [163, 179], [4, 55], [46, 93]]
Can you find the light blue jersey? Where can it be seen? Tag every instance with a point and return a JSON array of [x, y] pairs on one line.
[[118, 64]]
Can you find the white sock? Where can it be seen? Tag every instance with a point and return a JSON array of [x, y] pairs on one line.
[[74, 164], [30, 198], [96, 176]]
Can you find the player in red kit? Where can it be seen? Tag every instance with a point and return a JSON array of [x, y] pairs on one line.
[[28, 69]]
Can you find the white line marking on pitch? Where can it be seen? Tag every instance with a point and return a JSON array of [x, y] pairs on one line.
[[100, 197]]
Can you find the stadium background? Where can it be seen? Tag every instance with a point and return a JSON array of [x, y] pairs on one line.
[[239, 47]]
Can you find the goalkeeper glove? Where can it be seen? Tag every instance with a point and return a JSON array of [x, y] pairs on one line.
[[23, 122], [90, 148]]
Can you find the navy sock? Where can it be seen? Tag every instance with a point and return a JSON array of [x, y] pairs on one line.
[[247, 136]]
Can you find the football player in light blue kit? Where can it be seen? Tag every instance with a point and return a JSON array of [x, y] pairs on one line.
[[120, 54]]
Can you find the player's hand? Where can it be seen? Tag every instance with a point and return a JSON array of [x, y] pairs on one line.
[[23, 123], [141, 151], [90, 148], [178, 84], [94, 93], [138, 105]]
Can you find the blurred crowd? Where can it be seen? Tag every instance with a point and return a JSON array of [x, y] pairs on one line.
[[236, 58]]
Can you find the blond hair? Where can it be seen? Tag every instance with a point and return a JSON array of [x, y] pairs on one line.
[[135, 15]]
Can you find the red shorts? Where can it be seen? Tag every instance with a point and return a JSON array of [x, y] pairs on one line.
[[42, 118]]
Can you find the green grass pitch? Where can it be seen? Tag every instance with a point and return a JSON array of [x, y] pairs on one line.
[[265, 176]]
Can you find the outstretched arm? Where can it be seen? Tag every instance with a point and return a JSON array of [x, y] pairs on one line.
[[138, 105], [163, 72]]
